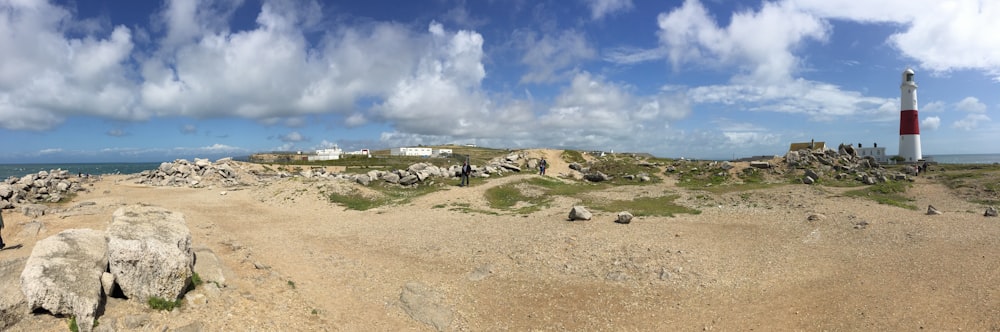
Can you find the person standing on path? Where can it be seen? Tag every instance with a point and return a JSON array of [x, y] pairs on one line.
[[466, 171], [2, 245], [542, 165]]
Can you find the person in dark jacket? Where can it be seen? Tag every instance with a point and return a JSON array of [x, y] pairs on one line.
[[2, 245], [466, 172]]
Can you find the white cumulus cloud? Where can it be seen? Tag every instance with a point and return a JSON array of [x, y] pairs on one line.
[[549, 57], [971, 104], [971, 121], [931, 123], [758, 44], [292, 137], [602, 8], [46, 75]]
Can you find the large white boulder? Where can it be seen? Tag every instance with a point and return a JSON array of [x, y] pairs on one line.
[[63, 274], [149, 252]]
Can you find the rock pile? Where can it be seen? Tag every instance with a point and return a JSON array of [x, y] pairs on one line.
[[182, 173], [842, 166], [51, 186]]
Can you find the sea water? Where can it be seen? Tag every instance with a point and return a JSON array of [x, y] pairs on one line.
[[19, 170], [991, 158]]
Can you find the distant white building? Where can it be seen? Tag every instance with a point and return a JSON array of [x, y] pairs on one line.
[[362, 152], [327, 154], [412, 151], [877, 153], [439, 152]]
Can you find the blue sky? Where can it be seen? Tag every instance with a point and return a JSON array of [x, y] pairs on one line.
[[123, 80]]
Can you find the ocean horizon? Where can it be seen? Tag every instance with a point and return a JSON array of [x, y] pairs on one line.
[[19, 170]]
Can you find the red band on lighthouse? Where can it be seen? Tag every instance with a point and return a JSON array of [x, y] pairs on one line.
[[909, 123]]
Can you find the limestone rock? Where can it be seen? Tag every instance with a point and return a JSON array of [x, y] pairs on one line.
[[34, 210], [391, 178], [579, 213], [63, 274], [425, 305], [408, 180], [13, 305], [931, 210], [812, 174], [596, 177], [208, 267], [149, 252], [990, 212], [624, 217], [31, 229]]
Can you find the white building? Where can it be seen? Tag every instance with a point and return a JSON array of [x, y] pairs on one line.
[[362, 152], [877, 153], [439, 152], [412, 151], [327, 154]]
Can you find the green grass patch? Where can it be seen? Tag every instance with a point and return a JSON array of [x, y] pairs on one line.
[[388, 195], [620, 166], [888, 193], [291, 284], [559, 188], [503, 197], [975, 183], [159, 303], [507, 196], [572, 156], [663, 206], [196, 280]]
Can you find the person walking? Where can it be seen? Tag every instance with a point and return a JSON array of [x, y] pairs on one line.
[[542, 165], [466, 171]]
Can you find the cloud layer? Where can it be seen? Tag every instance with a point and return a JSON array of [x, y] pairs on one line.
[[430, 82]]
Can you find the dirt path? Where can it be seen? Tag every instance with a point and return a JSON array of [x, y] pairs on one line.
[[748, 261]]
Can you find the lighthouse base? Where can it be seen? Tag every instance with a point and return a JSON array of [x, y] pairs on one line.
[[909, 148]]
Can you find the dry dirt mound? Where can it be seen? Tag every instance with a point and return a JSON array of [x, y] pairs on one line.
[[554, 158]]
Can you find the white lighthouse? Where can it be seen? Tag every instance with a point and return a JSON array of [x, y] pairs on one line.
[[909, 123]]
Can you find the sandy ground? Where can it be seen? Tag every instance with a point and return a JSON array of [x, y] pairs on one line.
[[749, 261]]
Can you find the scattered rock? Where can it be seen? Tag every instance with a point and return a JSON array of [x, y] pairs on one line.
[[861, 225], [31, 229], [63, 274], [107, 283], [931, 210], [134, 322], [34, 210], [579, 213], [207, 266], [808, 180], [149, 252], [13, 305], [617, 276], [815, 217], [425, 305], [990, 212], [481, 272], [596, 177], [624, 217]]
